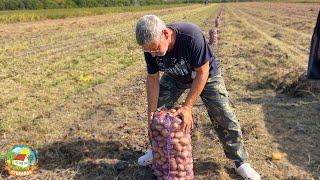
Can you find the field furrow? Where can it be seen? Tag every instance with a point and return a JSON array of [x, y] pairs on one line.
[[294, 40], [287, 20]]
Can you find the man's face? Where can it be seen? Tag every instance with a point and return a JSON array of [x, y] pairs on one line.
[[157, 47]]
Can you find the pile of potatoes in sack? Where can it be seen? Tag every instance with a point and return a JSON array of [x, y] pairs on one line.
[[171, 147]]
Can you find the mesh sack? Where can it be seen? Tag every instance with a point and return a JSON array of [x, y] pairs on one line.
[[171, 147]]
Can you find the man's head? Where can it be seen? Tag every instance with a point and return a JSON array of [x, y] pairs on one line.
[[152, 34]]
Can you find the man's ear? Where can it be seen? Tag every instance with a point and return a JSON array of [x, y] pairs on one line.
[[166, 33]]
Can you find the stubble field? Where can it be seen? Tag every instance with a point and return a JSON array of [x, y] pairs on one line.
[[75, 89]]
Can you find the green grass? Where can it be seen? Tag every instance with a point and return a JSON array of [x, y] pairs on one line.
[[43, 14]]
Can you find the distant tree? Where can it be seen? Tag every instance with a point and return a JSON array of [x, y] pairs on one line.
[[123, 3], [2, 5], [12, 4], [102, 2], [87, 3], [32, 4], [110, 3], [67, 4], [50, 4], [80, 3]]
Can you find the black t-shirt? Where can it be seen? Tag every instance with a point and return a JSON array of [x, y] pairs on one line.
[[190, 51], [314, 56]]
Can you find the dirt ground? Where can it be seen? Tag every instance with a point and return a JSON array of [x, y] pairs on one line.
[[100, 131]]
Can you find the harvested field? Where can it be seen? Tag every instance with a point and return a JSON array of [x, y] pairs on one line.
[[76, 84]]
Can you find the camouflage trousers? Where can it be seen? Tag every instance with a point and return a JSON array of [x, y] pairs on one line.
[[222, 116]]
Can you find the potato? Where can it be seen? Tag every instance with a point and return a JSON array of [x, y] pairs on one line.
[[189, 160], [276, 156], [176, 153], [173, 110], [165, 133], [177, 147], [182, 174], [161, 121], [161, 144], [174, 173], [184, 148], [154, 148], [188, 167], [154, 161], [157, 173], [163, 111], [180, 167], [175, 126], [159, 127], [184, 154], [163, 159], [184, 141], [160, 162], [165, 166], [179, 160], [175, 140], [189, 147], [156, 155], [177, 120], [159, 138], [161, 152], [172, 135], [184, 162], [178, 135], [173, 164], [155, 133]]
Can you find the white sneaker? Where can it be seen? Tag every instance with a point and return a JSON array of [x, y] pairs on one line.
[[246, 171], [146, 159]]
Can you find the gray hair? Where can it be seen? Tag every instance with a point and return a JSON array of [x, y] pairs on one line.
[[148, 29]]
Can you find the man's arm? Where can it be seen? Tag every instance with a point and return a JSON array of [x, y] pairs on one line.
[[195, 91], [202, 74], [152, 87]]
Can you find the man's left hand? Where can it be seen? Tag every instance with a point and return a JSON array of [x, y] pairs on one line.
[[186, 115]]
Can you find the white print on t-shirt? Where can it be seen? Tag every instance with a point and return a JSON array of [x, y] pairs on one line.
[[193, 74], [178, 67]]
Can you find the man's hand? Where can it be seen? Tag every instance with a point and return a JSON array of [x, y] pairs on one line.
[[186, 115]]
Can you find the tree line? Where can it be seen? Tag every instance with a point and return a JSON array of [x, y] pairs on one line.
[[53, 4]]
